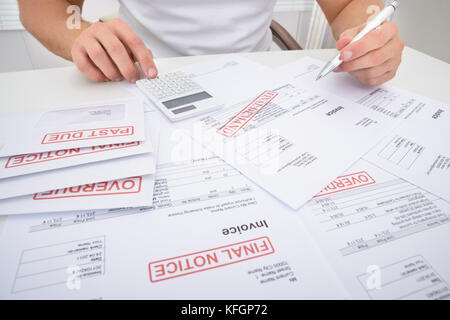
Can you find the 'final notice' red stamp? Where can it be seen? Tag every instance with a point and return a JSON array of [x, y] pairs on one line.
[[209, 259], [32, 158], [236, 123]]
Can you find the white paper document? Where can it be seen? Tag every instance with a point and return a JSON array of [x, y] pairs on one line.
[[385, 237], [419, 150], [43, 161], [131, 191], [388, 103], [210, 234], [231, 77], [117, 121], [416, 150], [290, 139]]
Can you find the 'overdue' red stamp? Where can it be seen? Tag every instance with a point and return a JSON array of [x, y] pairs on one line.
[[122, 186], [58, 137], [32, 158], [349, 181], [209, 259], [236, 123]]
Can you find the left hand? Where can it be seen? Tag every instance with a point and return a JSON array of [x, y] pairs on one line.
[[375, 58]]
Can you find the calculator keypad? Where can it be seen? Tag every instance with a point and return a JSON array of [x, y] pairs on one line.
[[170, 85]]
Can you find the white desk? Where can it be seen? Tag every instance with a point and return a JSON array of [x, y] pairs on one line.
[[418, 73]]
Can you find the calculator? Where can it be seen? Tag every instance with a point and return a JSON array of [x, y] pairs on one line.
[[178, 96]]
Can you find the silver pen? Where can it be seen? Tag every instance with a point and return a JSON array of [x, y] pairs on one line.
[[371, 25]]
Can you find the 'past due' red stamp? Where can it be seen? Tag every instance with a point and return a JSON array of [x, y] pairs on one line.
[[58, 137]]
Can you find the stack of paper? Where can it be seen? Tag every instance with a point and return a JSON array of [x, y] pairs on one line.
[[76, 157], [292, 135], [365, 170]]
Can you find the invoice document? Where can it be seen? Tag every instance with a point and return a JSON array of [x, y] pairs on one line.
[[383, 234], [52, 129], [289, 139], [389, 103], [210, 234], [417, 149], [385, 237]]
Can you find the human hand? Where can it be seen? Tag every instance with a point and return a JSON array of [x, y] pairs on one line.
[[375, 58], [107, 51]]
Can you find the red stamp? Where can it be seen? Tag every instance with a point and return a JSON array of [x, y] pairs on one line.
[[58, 137], [347, 182], [32, 158], [209, 259], [236, 123], [122, 186]]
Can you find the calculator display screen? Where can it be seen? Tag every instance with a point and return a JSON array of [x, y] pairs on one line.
[[186, 99], [184, 109]]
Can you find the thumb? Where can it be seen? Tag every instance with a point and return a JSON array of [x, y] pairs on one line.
[[346, 37]]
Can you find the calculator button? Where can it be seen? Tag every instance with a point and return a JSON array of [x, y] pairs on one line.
[[170, 86]]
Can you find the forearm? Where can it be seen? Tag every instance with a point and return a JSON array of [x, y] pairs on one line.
[[47, 21], [349, 13]]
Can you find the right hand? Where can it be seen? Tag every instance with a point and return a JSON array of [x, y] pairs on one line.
[[107, 51]]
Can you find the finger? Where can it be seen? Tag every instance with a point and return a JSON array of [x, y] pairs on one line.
[[86, 66], [140, 52], [373, 58], [342, 43], [346, 37], [375, 39], [379, 80], [100, 58], [116, 50], [377, 71]]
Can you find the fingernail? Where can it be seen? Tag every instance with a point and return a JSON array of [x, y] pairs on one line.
[[118, 79], [346, 55], [152, 72], [134, 80]]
